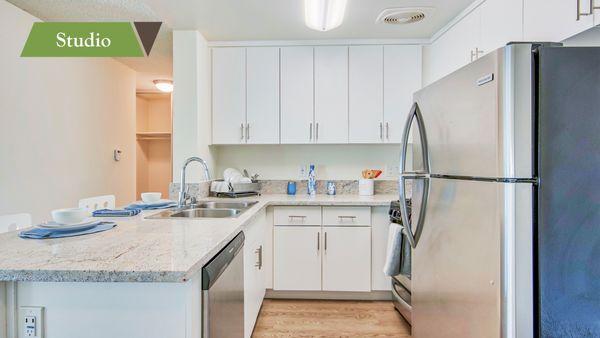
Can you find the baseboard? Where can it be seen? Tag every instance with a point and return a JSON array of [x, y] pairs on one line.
[[330, 295]]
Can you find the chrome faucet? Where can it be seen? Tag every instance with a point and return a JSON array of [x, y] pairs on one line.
[[183, 195]]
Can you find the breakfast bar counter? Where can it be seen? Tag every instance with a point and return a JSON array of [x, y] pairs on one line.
[[144, 250]]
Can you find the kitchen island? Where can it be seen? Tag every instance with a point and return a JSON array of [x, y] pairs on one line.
[[146, 271]]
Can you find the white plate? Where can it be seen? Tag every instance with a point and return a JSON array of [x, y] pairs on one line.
[[69, 227]]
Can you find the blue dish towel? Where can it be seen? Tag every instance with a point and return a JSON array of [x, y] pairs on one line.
[[115, 212], [153, 206], [41, 233]]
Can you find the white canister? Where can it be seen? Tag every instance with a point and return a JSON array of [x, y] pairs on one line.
[[366, 187]]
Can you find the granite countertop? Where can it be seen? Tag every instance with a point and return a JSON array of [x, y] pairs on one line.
[[143, 250]]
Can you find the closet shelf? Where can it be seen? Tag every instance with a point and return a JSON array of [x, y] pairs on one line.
[[151, 135]]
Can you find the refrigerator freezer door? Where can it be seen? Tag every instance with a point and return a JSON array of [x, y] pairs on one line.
[[479, 118], [456, 281], [569, 192]]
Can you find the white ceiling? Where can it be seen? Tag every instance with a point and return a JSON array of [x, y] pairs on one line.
[[235, 20]]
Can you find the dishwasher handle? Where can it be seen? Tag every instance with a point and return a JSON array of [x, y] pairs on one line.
[[217, 265]]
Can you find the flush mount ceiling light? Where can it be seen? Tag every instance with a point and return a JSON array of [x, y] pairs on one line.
[[323, 15], [164, 85]]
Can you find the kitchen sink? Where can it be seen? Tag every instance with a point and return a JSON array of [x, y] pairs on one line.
[[206, 213], [208, 209], [222, 205]]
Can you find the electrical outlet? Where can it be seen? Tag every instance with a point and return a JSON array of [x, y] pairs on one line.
[[392, 171], [31, 322], [303, 172]]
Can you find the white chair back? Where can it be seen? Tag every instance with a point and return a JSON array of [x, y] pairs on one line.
[[14, 222], [98, 202]]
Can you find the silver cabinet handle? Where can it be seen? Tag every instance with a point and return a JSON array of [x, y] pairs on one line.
[[325, 241], [247, 131], [293, 216], [347, 217], [242, 130], [310, 132], [317, 131], [475, 53], [318, 242], [387, 131], [381, 131], [260, 260]]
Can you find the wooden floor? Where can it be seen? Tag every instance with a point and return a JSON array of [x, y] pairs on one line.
[[327, 318]]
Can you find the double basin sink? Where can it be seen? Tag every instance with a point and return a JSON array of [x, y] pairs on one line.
[[210, 209]]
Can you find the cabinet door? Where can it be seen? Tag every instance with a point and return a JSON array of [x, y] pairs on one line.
[[402, 77], [254, 273], [297, 258], [262, 118], [452, 50], [366, 94], [501, 23], [253, 285], [228, 95], [347, 259], [297, 110], [331, 94], [555, 20], [379, 232]]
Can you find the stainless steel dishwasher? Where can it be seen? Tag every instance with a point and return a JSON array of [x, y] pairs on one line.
[[223, 292]]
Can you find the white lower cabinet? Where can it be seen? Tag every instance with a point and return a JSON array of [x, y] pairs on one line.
[[347, 259], [324, 257], [254, 274], [297, 258]]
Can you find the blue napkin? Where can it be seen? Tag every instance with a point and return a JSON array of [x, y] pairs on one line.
[[42, 233], [151, 206], [116, 212]]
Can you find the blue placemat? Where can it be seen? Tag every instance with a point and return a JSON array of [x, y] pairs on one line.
[[42, 233], [116, 212]]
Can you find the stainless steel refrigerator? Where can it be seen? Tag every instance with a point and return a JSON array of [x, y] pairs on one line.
[[505, 181]]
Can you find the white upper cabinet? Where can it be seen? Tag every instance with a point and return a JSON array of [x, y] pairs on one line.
[[402, 77], [228, 95], [331, 94], [555, 20], [262, 120], [366, 94], [501, 23], [297, 85]]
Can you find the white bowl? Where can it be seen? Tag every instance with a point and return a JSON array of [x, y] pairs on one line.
[[70, 215], [151, 197]]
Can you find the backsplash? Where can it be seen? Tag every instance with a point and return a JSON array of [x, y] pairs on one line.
[[343, 187]]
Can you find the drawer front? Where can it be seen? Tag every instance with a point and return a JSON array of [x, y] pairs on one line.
[[346, 216], [297, 216]]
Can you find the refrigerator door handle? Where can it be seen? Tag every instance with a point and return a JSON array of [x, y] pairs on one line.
[[415, 114], [413, 237]]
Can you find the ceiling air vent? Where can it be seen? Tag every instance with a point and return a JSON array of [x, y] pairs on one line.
[[400, 16]]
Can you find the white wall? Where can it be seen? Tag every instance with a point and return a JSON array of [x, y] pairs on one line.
[[282, 162], [191, 103], [60, 119]]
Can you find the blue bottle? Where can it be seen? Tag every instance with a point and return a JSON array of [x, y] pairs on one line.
[[312, 181]]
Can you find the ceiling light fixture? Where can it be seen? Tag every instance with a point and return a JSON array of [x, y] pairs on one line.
[[323, 15], [165, 86]]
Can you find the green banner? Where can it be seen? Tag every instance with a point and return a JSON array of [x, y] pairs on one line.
[[83, 39]]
